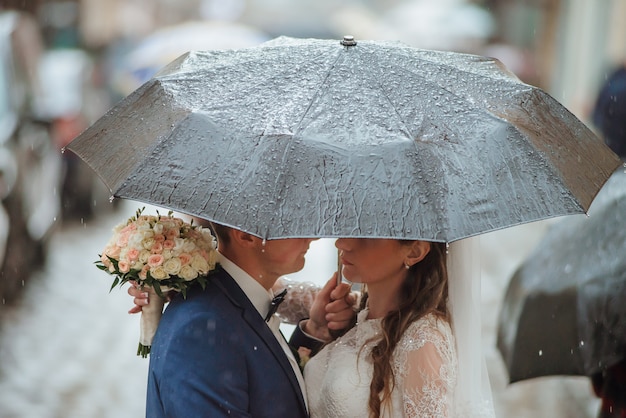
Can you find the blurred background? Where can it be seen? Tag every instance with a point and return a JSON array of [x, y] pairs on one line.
[[67, 345]]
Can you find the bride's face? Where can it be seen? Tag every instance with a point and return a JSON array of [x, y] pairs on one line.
[[372, 260]]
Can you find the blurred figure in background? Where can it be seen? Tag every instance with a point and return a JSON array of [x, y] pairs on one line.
[[609, 113], [609, 116]]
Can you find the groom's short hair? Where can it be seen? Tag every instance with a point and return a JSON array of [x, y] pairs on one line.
[[221, 232]]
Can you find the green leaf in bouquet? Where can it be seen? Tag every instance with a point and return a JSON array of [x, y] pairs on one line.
[[202, 281], [115, 282]]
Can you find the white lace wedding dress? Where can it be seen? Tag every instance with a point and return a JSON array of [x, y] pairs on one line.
[[424, 368]]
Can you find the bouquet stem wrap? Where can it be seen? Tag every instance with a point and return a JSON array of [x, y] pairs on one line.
[[150, 317]]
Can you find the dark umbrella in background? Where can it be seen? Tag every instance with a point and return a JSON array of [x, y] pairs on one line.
[[609, 113], [564, 312], [317, 138]]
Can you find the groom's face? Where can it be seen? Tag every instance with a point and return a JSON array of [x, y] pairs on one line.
[[284, 256]]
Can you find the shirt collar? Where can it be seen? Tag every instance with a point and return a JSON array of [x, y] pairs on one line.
[[258, 295]]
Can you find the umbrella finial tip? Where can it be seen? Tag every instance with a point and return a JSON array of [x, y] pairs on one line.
[[348, 40]]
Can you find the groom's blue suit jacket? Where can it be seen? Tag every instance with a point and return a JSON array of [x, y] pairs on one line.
[[214, 356]]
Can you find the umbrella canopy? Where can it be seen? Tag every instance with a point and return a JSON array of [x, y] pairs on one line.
[[564, 311], [313, 138]]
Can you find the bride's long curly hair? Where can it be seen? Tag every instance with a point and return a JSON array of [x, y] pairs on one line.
[[424, 291]]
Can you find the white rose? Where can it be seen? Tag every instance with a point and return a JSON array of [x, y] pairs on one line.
[[158, 228], [143, 256], [123, 254], [189, 246], [158, 273], [147, 243], [172, 266], [212, 259], [208, 238], [199, 264], [187, 273], [134, 240], [179, 244]]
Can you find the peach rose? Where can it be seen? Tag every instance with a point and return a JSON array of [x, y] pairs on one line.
[[185, 258], [157, 248], [133, 254], [123, 266], [155, 260]]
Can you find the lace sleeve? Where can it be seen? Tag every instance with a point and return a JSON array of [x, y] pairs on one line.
[[426, 363], [298, 301]]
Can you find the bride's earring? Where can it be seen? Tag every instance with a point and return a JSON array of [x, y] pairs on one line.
[[406, 266]]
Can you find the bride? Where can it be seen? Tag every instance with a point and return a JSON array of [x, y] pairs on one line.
[[415, 349]]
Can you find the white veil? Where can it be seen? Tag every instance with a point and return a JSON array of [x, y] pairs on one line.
[[473, 393]]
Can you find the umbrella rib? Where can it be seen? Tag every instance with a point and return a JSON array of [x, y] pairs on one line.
[[284, 158], [317, 93], [451, 92], [400, 118], [512, 78]]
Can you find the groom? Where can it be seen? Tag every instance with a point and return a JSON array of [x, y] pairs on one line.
[[214, 354]]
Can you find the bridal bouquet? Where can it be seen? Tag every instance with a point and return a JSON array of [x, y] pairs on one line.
[[160, 254]]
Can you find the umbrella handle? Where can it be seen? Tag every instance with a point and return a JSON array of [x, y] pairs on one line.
[[338, 333], [339, 265]]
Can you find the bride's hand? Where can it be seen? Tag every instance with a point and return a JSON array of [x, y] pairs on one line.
[[332, 310], [140, 298]]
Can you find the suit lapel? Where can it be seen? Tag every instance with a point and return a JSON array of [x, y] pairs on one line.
[[249, 313]]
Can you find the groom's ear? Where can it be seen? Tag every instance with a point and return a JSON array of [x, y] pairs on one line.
[[243, 239]]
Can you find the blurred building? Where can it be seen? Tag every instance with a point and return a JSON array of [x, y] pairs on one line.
[[572, 43]]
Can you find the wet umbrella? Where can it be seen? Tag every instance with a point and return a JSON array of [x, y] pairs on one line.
[[317, 138], [564, 310]]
